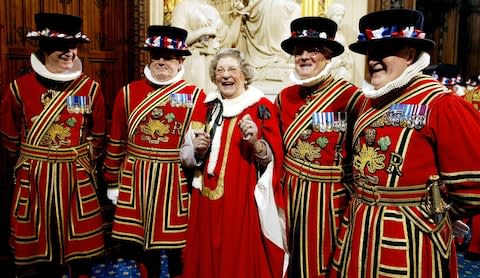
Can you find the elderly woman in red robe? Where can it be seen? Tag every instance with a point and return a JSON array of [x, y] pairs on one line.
[[235, 225]]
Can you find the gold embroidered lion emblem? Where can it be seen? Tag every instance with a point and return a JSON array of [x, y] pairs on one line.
[[56, 134], [155, 127], [305, 150], [370, 159]]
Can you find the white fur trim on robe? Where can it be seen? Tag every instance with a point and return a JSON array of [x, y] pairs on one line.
[[272, 219], [231, 107], [197, 180]]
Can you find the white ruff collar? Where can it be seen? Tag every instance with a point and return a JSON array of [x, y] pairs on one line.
[[410, 72], [176, 78], [41, 70], [312, 80], [234, 106]]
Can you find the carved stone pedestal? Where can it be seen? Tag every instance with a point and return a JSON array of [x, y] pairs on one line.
[[272, 78]]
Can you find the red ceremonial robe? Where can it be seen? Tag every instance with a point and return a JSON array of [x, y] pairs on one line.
[[234, 225], [473, 248]]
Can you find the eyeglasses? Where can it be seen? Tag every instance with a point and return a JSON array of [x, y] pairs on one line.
[[379, 53], [231, 70], [162, 55], [51, 47], [312, 51]]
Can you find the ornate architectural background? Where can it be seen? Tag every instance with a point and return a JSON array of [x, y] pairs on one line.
[[272, 76], [453, 24]]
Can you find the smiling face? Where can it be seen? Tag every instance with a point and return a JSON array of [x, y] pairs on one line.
[[310, 61], [387, 63], [164, 65], [60, 56], [229, 77]]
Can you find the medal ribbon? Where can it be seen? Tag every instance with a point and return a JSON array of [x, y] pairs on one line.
[[52, 110], [323, 98], [150, 102]]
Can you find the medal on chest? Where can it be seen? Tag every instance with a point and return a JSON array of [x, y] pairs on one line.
[[404, 115], [329, 121], [79, 105], [181, 100]]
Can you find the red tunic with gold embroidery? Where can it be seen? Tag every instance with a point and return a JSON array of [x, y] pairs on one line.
[[316, 132], [142, 158], [400, 140], [55, 210]]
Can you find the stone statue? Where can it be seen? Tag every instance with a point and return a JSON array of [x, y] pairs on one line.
[[343, 64], [206, 35], [256, 27], [262, 25]]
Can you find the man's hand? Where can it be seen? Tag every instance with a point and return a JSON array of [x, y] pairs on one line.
[[460, 229], [112, 195]]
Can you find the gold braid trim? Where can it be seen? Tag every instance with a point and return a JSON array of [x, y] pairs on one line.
[[217, 193]]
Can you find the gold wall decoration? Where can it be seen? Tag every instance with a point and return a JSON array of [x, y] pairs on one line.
[[315, 7], [168, 6]]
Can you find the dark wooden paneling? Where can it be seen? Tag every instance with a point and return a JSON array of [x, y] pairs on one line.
[[105, 22], [107, 59], [470, 37], [376, 5]]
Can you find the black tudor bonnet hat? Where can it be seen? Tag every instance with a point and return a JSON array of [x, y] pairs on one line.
[[54, 27], [313, 30], [393, 26], [167, 38]]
